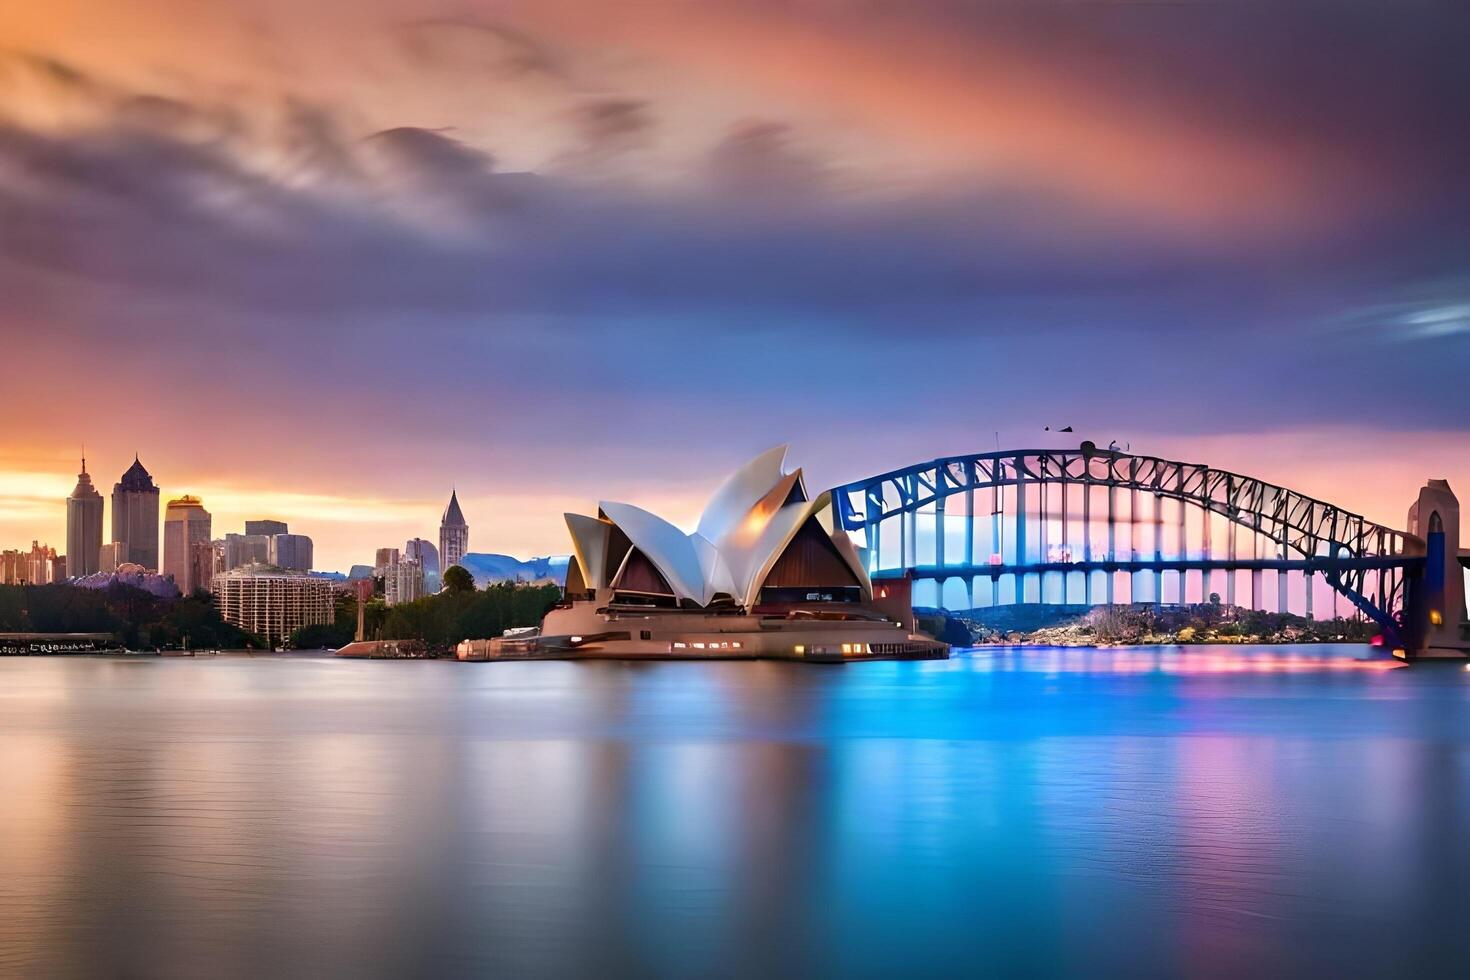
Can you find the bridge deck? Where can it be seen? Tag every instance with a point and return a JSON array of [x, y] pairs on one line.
[[1319, 565]]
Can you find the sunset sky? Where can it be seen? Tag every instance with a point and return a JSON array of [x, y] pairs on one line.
[[324, 261]]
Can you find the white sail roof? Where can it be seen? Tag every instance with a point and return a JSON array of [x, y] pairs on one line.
[[748, 524], [739, 493], [670, 549], [589, 546]]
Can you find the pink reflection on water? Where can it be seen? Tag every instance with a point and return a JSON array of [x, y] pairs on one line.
[[1174, 660]]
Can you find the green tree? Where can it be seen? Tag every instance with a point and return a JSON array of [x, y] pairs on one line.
[[134, 617], [457, 579], [443, 620]]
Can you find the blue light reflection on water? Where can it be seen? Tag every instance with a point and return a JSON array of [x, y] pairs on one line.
[[1143, 812]]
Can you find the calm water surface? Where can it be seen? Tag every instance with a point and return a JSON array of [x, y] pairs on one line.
[[1146, 812]]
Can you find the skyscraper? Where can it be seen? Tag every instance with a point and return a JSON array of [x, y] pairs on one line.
[[201, 566], [83, 526], [383, 558], [454, 535], [135, 516], [291, 551], [246, 549], [403, 581], [427, 556], [186, 523]]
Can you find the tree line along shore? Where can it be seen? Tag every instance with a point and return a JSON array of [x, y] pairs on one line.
[[139, 620]]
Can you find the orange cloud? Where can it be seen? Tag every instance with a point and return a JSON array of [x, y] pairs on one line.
[[982, 108], [897, 98]]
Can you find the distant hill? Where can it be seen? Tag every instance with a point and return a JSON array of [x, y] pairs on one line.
[[488, 569]]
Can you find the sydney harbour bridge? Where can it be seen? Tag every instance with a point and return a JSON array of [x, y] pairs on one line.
[[1090, 526]]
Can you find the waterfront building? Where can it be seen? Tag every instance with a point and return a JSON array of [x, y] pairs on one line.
[[186, 524], [267, 528], [112, 555], [290, 551], [403, 581], [135, 515], [769, 572], [270, 602], [84, 526], [427, 556], [454, 534], [38, 566], [246, 549]]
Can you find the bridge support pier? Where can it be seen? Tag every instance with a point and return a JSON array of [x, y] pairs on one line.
[[1230, 556], [1181, 548], [939, 531], [1158, 548], [1020, 580], [1434, 603], [970, 527]]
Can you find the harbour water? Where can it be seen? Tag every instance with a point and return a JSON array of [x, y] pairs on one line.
[[1212, 812]]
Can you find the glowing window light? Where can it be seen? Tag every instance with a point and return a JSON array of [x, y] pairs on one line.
[[799, 648], [1435, 617], [699, 646], [680, 646]]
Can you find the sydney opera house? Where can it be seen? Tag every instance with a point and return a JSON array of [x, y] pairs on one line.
[[768, 573]]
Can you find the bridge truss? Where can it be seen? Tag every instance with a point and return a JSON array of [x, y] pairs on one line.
[[1077, 515]]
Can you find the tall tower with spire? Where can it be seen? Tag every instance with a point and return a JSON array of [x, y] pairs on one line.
[[135, 515], [83, 526], [454, 534]]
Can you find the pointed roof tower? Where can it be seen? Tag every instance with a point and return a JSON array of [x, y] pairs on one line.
[[136, 478], [84, 484], [453, 516]]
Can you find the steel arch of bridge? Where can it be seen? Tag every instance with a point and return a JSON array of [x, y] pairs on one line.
[[1312, 536]]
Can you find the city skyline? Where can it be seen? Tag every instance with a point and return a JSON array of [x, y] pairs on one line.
[[346, 529]]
